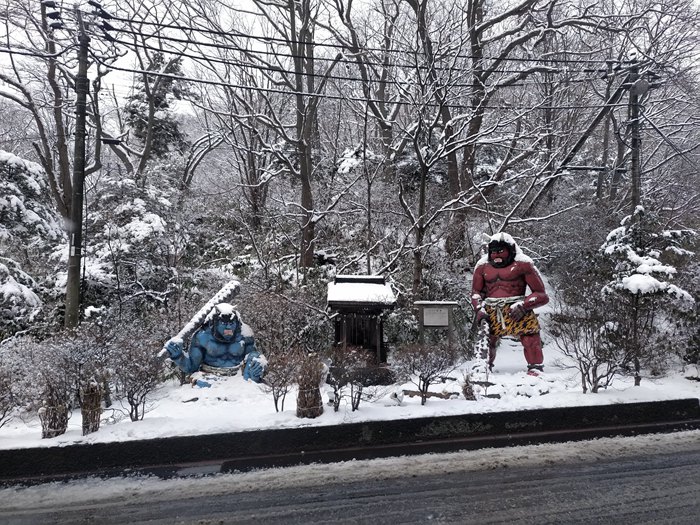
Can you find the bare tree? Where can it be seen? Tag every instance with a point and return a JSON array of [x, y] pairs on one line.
[[281, 373], [425, 365], [583, 335], [141, 130], [372, 47], [41, 80], [289, 62], [8, 404], [644, 41]]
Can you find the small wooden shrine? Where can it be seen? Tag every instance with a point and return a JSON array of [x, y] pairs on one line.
[[359, 302]]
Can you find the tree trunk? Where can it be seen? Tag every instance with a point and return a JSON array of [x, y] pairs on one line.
[[420, 230], [91, 407], [307, 203]]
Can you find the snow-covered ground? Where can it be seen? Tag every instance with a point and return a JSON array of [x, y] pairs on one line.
[[232, 404]]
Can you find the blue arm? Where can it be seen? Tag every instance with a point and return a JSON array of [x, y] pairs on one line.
[[254, 368], [187, 362]]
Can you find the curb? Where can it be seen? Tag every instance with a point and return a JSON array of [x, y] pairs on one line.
[[184, 455]]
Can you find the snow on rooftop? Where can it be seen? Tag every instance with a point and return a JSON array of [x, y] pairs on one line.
[[358, 292]]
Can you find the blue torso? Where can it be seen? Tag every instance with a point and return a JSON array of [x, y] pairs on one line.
[[213, 348], [219, 353]]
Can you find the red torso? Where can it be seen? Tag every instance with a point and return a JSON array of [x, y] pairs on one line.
[[513, 280]]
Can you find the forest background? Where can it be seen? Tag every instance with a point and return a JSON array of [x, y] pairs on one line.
[[286, 141]]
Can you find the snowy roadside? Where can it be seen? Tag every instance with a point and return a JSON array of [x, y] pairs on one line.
[[234, 405], [149, 489]]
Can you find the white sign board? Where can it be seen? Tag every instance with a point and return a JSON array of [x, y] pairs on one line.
[[436, 317]]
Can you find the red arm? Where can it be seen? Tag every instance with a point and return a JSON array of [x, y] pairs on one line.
[[477, 285], [538, 296]]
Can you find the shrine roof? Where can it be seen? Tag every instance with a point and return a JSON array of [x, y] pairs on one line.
[[360, 291]]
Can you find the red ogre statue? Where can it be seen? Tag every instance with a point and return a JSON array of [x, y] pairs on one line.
[[499, 295]]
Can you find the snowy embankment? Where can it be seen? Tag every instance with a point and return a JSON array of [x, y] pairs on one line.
[[234, 405]]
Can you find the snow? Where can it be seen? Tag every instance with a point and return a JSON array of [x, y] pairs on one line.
[[144, 227], [641, 283], [347, 164], [12, 288], [13, 291], [231, 404], [94, 270], [149, 489], [247, 331], [360, 293], [9, 158], [646, 284], [648, 264], [351, 158]]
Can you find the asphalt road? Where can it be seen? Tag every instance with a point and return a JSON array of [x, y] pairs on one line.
[[571, 486]]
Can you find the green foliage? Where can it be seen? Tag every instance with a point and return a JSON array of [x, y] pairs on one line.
[[19, 302], [135, 247], [645, 301], [27, 216], [30, 228], [157, 93]]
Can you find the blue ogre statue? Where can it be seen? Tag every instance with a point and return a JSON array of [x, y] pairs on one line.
[[221, 345]]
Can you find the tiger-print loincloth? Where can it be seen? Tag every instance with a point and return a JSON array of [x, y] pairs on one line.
[[528, 325]]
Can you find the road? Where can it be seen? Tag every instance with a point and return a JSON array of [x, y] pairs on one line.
[[648, 479]]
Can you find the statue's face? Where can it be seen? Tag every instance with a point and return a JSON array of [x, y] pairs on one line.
[[226, 328], [499, 256]]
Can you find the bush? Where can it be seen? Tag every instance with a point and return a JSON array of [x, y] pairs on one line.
[[55, 375], [281, 374], [53, 368], [584, 335], [424, 365], [283, 323], [348, 368], [8, 403], [137, 370]]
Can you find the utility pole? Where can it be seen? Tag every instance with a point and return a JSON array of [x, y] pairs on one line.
[[606, 140], [75, 227], [637, 86], [636, 89], [556, 173]]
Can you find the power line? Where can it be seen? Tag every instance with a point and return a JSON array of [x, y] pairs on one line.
[[282, 91], [673, 146], [309, 74], [335, 97], [266, 39], [34, 54], [230, 47]]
